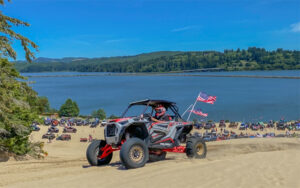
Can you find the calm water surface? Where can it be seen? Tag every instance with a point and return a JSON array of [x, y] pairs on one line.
[[243, 99]]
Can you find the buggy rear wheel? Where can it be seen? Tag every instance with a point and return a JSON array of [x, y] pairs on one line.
[[134, 153], [196, 148], [94, 151]]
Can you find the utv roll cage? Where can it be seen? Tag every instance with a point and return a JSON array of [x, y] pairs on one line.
[[153, 103]]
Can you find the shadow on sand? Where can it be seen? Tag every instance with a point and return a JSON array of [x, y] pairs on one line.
[[118, 165]]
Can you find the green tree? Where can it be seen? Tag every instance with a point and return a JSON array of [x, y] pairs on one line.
[[8, 35], [16, 112], [100, 113], [69, 109], [19, 104], [41, 104]]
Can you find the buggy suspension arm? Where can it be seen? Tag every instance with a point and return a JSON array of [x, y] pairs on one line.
[[177, 149], [106, 150]]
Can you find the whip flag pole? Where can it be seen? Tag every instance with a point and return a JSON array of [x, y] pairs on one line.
[[193, 108], [186, 110]]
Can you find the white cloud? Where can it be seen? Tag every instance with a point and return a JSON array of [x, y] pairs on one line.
[[189, 27], [295, 27]]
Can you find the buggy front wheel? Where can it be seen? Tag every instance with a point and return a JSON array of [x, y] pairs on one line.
[[94, 151], [134, 153], [196, 148]]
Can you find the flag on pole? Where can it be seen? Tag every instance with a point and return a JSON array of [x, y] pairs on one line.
[[199, 113], [203, 97]]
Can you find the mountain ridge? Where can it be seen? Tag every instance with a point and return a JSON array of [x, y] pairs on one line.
[[166, 61]]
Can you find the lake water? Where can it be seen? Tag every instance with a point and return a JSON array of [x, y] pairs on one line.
[[238, 99]]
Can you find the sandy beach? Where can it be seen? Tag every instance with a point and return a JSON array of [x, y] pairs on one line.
[[259, 162]]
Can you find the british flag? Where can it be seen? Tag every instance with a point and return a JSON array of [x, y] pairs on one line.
[[199, 112], [203, 97]]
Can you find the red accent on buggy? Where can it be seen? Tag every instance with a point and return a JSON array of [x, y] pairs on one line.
[[178, 149], [107, 149]]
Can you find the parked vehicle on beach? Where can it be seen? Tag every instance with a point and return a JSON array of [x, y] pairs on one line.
[[297, 126], [53, 129], [64, 137], [213, 132], [47, 121], [209, 138], [281, 125], [62, 121], [242, 135], [95, 123], [243, 126], [86, 122], [233, 135], [269, 135], [261, 125], [69, 130], [71, 122], [140, 139], [79, 122], [233, 125], [83, 139], [54, 122], [34, 127], [290, 127], [271, 124], [209, 125], [222, 124], [103, 123], [199, 125], [226, 133], [49, 136], [254, 127]]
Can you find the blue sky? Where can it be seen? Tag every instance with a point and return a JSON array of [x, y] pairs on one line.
[[97, 28]]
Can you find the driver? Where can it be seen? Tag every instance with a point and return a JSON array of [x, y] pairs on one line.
[[160, 114]]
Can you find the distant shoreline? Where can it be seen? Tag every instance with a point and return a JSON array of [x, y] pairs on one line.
[[168, 74]]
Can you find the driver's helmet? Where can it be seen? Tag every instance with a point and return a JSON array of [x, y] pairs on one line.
[[160, 111]]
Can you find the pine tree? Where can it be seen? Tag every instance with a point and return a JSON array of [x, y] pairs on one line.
[[19, 104], [8, 36], [16, 112]]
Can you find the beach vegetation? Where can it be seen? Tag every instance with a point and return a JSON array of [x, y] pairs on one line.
[[100, 114], [19, 107], [19, 104], [69, 109]]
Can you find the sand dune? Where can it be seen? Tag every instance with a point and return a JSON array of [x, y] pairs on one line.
[[262, 162]]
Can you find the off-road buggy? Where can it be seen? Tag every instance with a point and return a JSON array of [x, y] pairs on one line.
[[281, 125], [95, 123], [243, 126], [66, 137], [233, 125], [48, 135], [69, 130], [53, 129], [34, 127], [222, 124], [209, 125], [139, 139]]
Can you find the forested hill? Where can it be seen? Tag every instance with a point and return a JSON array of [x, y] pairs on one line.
[[165, 61]]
